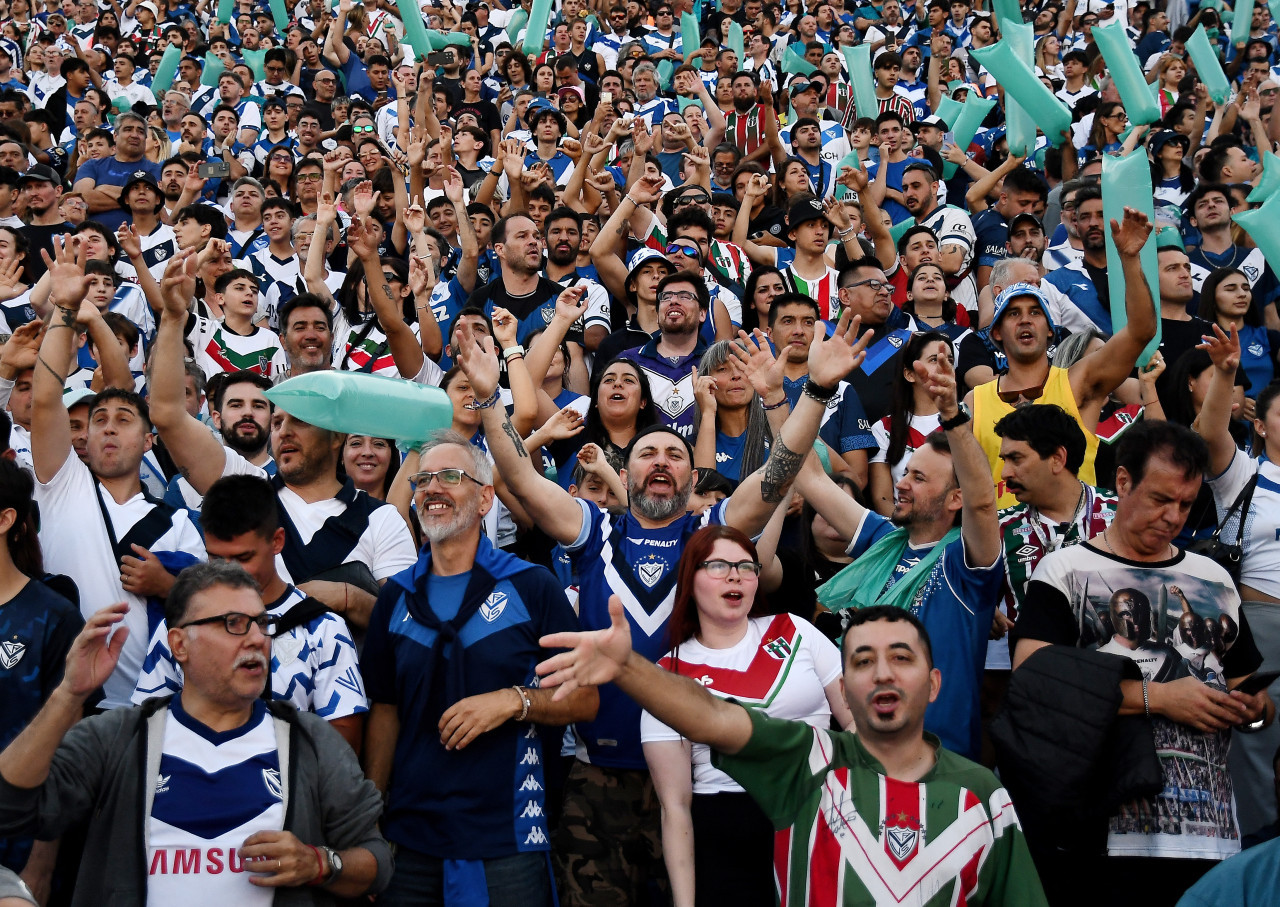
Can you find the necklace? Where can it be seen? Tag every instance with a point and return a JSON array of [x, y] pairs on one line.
[[1107, 542]]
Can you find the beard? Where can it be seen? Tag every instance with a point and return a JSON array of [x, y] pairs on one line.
[[245, 444], [464, 515], [652, 508], [744, 105]]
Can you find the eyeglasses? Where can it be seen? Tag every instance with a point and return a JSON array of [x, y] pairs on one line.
[[359, 129], [876, 285], [324, 80], [1026, 394], [238, 624], [449, 478], [719, 569], [687, 251], [678, 296], [693, 198], [310, 177]]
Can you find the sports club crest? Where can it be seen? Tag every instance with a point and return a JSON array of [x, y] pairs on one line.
[[271, 778], [901, 838], [778, 648], [11, 652], [493, 606], [650, 570]]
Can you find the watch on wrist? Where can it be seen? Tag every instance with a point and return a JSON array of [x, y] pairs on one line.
[[335, 865], [960, 418]]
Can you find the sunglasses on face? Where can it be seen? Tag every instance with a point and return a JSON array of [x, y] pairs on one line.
[[362, 129], [687, 251]]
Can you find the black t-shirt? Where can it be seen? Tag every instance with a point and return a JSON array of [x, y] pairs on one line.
[[618, 342], [41, 237], [1099, 278], [771, 220], [534, 310], [38, 627], [1176, 339], [484, 111]]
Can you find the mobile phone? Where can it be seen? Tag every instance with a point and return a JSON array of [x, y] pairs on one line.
[[1258, 681], [214, 169], [438, 58], [606, 97]]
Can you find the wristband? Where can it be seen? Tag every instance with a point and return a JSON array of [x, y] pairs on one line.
[[320, 861], [770, 407], [1146, 701], [524, 703], [818, 392], [512, 351], [484, 404]]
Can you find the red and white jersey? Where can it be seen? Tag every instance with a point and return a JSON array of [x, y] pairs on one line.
[[782, 665]]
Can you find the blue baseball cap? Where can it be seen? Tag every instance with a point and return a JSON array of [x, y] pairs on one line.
[[1017, 291]]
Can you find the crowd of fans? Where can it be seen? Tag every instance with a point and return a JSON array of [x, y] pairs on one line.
[[827, 390]]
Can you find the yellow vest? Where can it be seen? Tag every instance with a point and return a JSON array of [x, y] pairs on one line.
[[988, 409]]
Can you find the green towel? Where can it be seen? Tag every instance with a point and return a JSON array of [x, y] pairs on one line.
[[859, 584]]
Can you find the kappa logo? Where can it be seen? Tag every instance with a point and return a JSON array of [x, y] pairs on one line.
[[493, 606], [536, 836], [650, 571], [901, 841], [271, 778], [530, 757], [530, 783], [532, 811], [11, 652]]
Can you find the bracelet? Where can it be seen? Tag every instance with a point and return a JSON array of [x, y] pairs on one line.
[[511, 359], [1146, 701], [484, 404], [524, 703], [319, 879], [770, 407], [512, 351], [818, 392], [844, 233]]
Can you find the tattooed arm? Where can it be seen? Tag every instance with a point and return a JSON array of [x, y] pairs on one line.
[[755, 499], [547, 504]]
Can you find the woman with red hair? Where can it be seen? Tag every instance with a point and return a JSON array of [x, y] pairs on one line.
[[717, 843]]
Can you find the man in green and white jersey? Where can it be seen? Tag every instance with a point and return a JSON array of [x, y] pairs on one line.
[[885, 815]]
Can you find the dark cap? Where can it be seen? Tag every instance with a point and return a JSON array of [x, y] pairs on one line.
[[804, 210], [1025, 217], [137, 177], [41, 173], [1164, 137]]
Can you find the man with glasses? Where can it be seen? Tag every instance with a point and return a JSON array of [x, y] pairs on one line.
[[1022, 328], [196, 795], [608, 42], [449, 668], [867, 293]]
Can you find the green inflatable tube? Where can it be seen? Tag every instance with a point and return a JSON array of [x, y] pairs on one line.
[[734, 40], [280, 14], [255, 60], [1008, 12], [971, 115], [1260, 223], [948, 110], [690, 40], [1021, 131], [225, 9], [361, 404], [1241, 22], [168, 67], [539, 16], [849, 160], [518, 20], [666, 70], [1208, 67], [858, 60], [1270, 179], [1126, 73], [793, 62], [1021, 84], [415, 30], [213, 67], [1126, 182]]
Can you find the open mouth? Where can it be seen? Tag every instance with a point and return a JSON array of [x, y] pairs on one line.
[[885, 703]]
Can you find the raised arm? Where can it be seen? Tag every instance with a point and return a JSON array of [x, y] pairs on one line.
[[1214, 422], [131, 243], [755, 498], [550, 506], [313, 268], [404, 345], [1098, 374], [198, 455], [50, 427], [757, 187], [881, 239]]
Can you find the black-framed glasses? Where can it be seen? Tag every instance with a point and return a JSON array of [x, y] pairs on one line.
[[876, 285], [719, 568], [238, 624], [449, 478], [678, 296]]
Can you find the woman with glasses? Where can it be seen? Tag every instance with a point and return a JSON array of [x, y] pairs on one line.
[[717, 843], [912, 416], [280, 166], [1109, 121]]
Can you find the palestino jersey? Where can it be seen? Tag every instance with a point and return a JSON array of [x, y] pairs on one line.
[[848, 835]]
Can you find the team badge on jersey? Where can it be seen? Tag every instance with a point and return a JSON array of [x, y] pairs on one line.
[[285, 649], [650, 571], [901, 840], [493, 606], [778, 648], [11, 652], [271, 778]]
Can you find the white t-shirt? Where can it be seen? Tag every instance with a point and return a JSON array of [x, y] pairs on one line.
[[921, 427], [385, 547], [213, 792], [75, 542], [783, 664]]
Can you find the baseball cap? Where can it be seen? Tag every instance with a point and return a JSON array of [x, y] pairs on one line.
[[1017, 291], [646, 254], [79, 395], [138, 176], [41, 173], [1164, 137], [1025, 217], [933, 120], [804, 210]]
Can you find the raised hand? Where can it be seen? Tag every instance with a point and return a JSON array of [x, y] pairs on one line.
[[505, 327], [454, 190], [855, 178], [23, 347], [641, 136], [564, 424], [571, 304], [757, 186], [129, 241], [178, 286], [939, 381], [414, 218], [1223, 349], [66, 271], [704, 392], [476, 357], [832, 359], [326, 211], [362, 198], [422, 277], [361, 239], [646, 190], [762, 368], [594, 658], [593, 144], [93, 656], [1130, 235], [602, 181], [11, 285], [837, 213]]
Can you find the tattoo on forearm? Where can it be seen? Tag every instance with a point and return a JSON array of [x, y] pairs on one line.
[[51, 369], [514, 435], [68, 316], [779, 472], [387, 289]]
